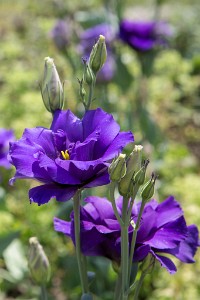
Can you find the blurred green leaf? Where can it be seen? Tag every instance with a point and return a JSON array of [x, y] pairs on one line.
[[123, 77], [6, 240]]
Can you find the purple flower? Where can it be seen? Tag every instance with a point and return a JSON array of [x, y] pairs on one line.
[[87, 40], [163, 230], [6, 136], [144, 36], [61, 34], [74, 153]]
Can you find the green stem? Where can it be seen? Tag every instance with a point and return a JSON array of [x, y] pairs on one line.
[[90, 97], [79, 256], [124, 250], [139, 284], [112, 198], [43, 294], [134, 237]]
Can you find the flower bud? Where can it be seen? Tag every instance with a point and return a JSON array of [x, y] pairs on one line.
[[148, 264], [148, 189], [132, 165], [139, 177], [98, 55], [117, 169], [88, 75], [38, 262], [52, 90]]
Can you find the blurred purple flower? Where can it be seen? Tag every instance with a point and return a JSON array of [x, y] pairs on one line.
[[61, 34], [144, 36], [163, 230], [74, 153], [6, 136], [87, 40]]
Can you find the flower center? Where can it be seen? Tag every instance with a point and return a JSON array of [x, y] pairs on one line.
[[65, 155]]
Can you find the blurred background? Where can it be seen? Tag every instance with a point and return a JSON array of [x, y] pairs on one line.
[[150, 83]]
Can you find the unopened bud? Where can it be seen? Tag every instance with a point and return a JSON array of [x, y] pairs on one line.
[[98, 55], [117, 169], [148, 189], [139, 177], [38, 262], [132, 165], [88, 75], [51, 89], [148, 264]]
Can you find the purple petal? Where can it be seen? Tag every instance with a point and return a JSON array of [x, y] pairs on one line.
[[165, 262], [121, 140], [43, 193], [187, 248], [141, 252], [169, 236], [102, 206], [62, 226], [167, 211], [69, 123], [99, 180]]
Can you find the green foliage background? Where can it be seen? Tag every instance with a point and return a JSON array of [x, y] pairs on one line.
[[169, 129]]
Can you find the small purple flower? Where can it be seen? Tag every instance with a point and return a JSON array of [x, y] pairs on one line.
[[163, 230], [74, 153], [61, 34], [6, 136], [87, 40], [144, 36]]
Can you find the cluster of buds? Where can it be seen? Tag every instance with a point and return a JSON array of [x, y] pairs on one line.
[[96, 61], [131, 172]]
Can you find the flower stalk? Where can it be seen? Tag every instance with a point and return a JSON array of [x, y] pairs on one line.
[[80, 259]]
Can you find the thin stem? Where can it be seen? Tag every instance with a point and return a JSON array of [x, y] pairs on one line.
[[90, 97], [134, 237], [117, 294], [43, 294], [79, 256], [138, 286], [112, 198], [124, 250], [136, 188]]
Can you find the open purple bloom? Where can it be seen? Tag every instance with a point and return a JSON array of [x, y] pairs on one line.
[[144, 36], [74, 153], [163, 231], [87, 41], [6, 136]]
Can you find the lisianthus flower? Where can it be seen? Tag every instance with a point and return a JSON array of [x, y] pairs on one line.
[[74, 153], [6, 136], [163, 230], [87, 40], [144, 36]]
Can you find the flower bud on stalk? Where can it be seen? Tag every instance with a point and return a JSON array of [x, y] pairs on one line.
[[88, 75], [98, 55], [52, 90], [132, 165], [117, 169], [148, 189], [139, 177], [148, 264], [38, 262]]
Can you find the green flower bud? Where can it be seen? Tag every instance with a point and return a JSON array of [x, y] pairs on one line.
[[139, 177], [38, 262], [51, 89], [98, 55], [148, 264], [132, 165], [148, 189], [117, 169], [88, 75]]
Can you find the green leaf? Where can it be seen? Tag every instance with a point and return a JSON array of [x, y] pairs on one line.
[[6, 240]]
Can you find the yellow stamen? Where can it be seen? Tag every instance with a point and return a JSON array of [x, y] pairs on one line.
[[65, 155]]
